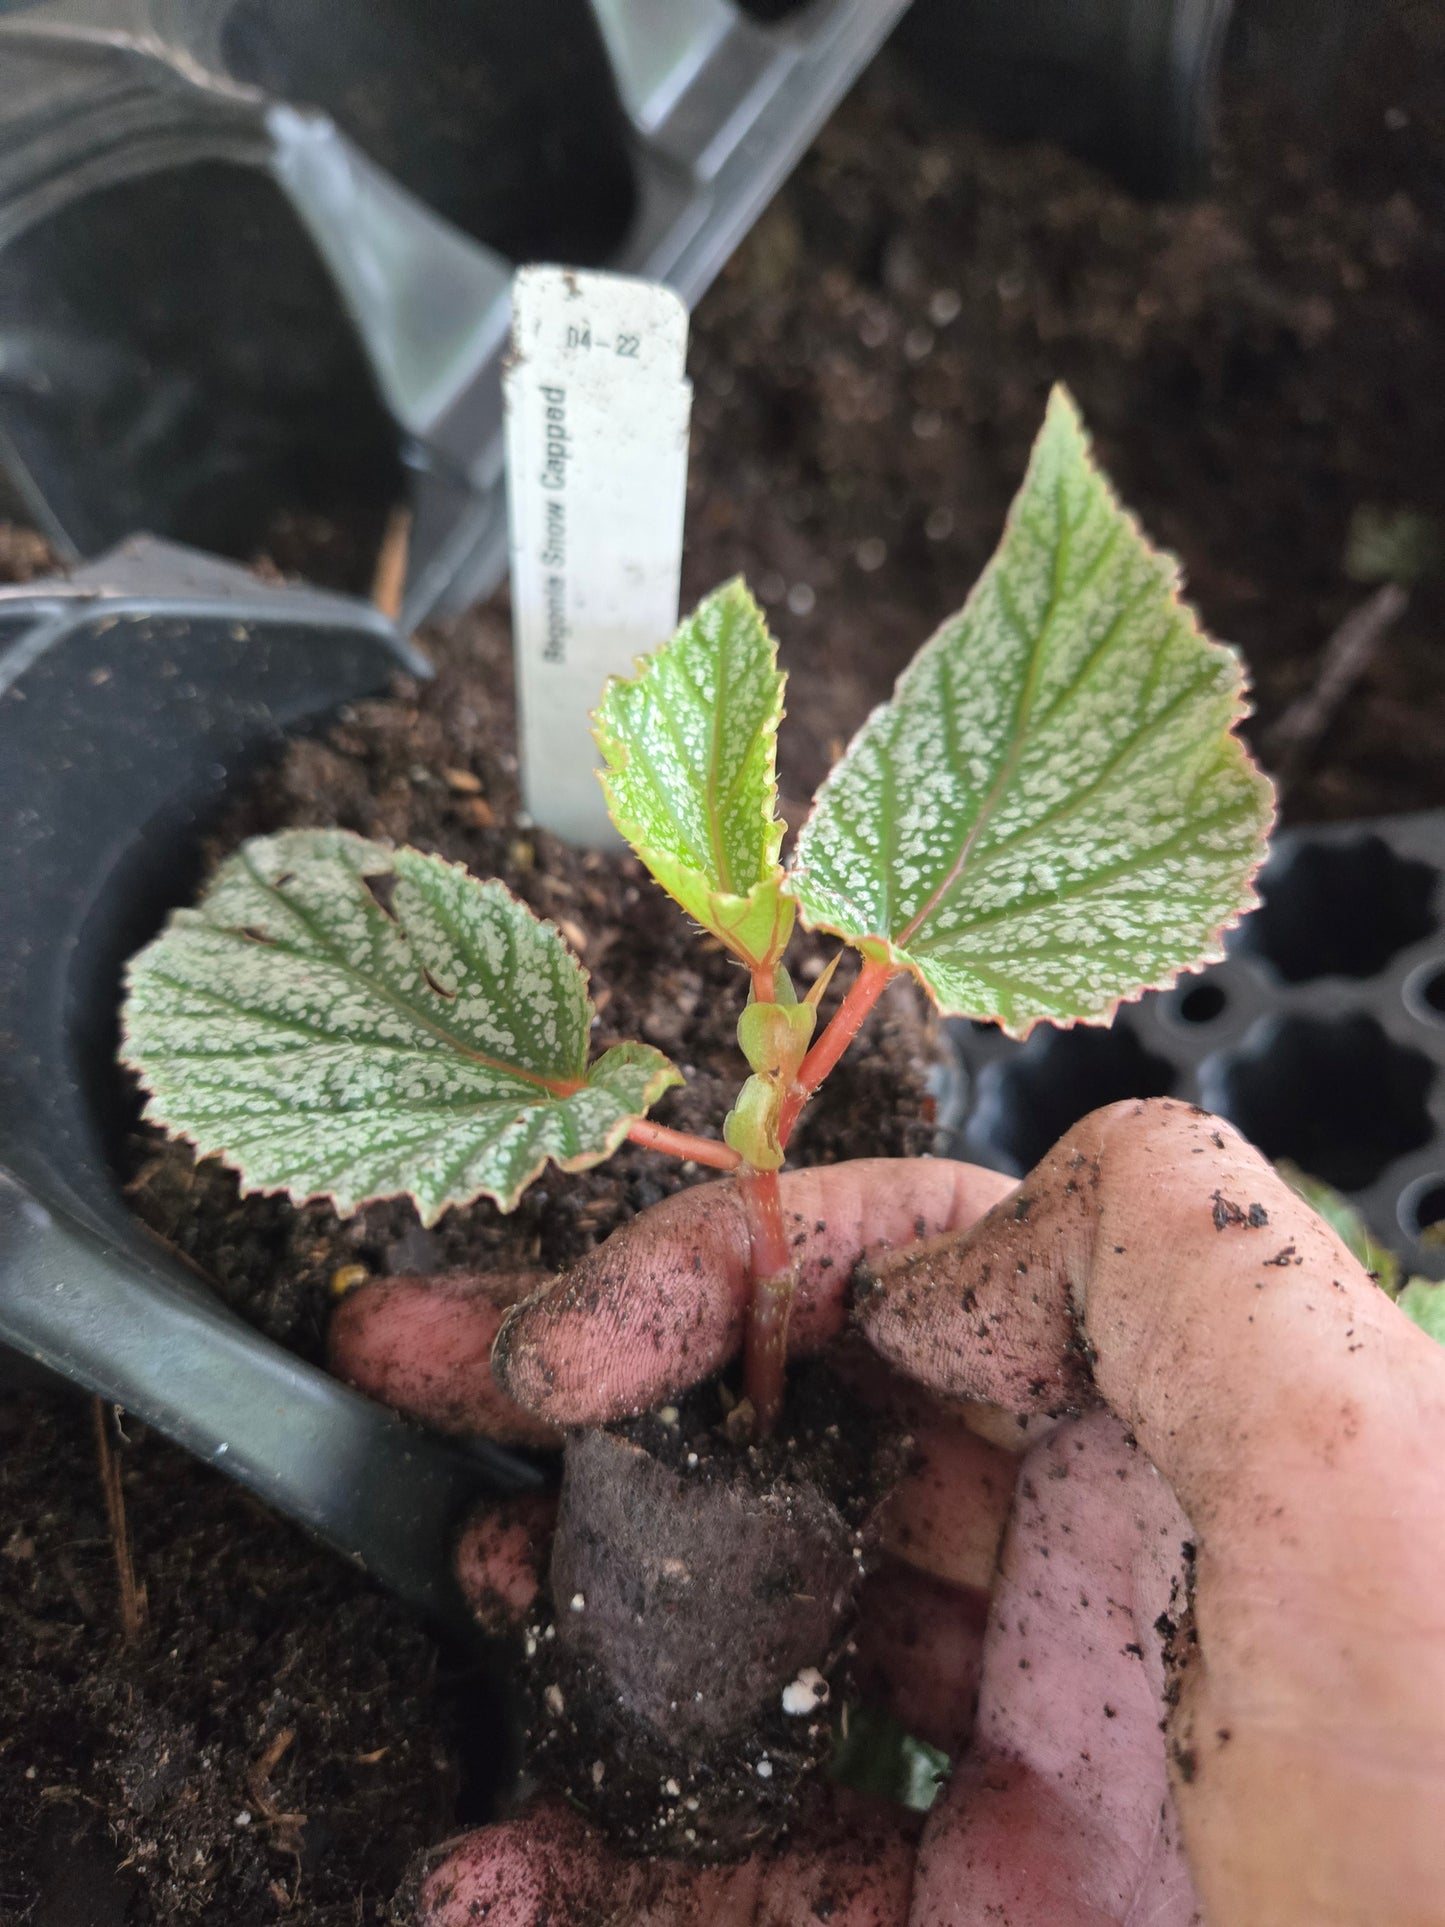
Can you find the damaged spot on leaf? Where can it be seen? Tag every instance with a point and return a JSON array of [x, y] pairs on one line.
[[382, 885]]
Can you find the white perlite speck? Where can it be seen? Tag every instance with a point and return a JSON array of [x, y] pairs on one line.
[[806, 1693]]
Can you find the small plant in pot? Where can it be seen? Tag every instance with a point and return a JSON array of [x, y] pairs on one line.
[[1050, 815]]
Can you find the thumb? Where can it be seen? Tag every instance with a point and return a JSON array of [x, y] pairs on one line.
[[661, 1305], [1297, 1415]]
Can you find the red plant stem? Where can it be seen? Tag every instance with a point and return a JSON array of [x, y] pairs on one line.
[[867, 987], [682, 1144], [774, 1274], [764, 984]]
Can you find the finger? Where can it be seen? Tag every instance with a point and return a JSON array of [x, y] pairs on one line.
[[1297, 1415], [552, 1866], [947, 1517], [661, 1304], [849, 1864], [852, 1868], [1061, 1811], [501, 1559], [920, 1654], [947, 1513], [423, 1346]]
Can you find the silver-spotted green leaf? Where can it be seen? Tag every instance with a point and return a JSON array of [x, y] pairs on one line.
[[1423, 1301], [1053, 813], [341, 1020], [1347, 1224], [690, 744]]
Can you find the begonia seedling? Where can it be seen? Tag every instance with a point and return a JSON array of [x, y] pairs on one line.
[[1052, 814]]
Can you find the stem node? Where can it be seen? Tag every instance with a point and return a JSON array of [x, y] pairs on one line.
[[867, 987]]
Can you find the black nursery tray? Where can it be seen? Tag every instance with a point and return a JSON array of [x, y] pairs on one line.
[[133, 697], [258, 253], [1322, 1036]]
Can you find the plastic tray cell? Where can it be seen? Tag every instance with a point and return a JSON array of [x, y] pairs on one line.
[[255, 255]]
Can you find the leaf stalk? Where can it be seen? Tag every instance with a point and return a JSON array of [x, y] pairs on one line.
[[683, 1144], [867, 987]]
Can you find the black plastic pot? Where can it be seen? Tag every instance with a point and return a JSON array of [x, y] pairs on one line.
[[1131, 84], [255, 255], [132, 699]]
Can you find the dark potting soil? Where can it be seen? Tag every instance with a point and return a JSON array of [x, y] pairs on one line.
[[700, 1435], [274, 1743], [24, 554], [1257, 368], [868, 372]]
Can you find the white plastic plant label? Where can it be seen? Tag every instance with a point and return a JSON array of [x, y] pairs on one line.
[[597, 421]]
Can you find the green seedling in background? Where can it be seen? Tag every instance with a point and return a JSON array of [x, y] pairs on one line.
[[1052, 815], [1401, 545], [1421, 1299]]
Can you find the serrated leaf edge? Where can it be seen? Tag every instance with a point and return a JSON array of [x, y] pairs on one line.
[[612, 748], [883, 948], [663, 1079], [555, 1086]]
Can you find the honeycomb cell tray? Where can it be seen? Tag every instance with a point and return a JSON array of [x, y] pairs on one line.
[[1321, 1036]]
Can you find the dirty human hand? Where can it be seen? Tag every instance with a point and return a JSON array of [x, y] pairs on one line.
[[1210, 1664]]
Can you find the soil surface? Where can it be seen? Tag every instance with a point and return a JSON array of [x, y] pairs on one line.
[[1258, 368], [273, 1745]]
